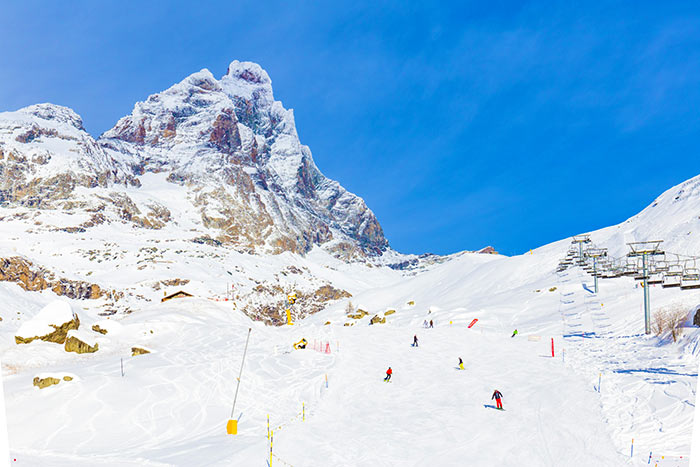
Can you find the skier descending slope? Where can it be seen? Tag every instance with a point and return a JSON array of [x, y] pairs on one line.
[[515, 333], [461, 364], [497, 395], [388, 375], [415, 341]]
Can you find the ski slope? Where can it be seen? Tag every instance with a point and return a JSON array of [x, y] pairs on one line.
[[171, 406]]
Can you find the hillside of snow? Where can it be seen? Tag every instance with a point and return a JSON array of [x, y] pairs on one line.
[[171, 406], [205, 191]]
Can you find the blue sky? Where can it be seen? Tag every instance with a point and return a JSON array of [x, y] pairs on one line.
[[461, 124]]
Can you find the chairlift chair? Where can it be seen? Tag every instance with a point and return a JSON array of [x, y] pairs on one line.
[[672, 277], [690, 279], [630, 268], [655, 277]]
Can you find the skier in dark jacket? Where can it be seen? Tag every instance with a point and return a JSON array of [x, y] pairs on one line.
[[388, 374], [497, 395], [461, 364], [431, 323], [415, 341]]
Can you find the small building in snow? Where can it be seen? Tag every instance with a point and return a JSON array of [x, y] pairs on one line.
[[179, 294]]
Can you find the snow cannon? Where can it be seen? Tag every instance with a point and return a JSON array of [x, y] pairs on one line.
[[232, 427], [301, 344]]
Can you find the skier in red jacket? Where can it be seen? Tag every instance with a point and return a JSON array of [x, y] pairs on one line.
[[388, 374], [497, 395]]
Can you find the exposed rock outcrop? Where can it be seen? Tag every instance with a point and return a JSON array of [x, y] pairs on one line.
[[33, 278]]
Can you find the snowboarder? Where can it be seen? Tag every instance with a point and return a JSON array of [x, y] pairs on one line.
[[515, 333], [388, 374], [497, 395], [415, 341], [461, 364], [431, 323]]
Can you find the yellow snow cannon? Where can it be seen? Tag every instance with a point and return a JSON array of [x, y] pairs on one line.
[[301, 344]]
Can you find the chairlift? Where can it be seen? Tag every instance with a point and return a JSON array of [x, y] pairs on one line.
[[656, 277], [672, 277], [630, 268], [690, 278]]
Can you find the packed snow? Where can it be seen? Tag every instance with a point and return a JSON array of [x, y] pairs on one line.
[[171, 406]]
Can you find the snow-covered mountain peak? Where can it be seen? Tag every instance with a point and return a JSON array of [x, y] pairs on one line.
[[232, 148], [53, 113], [249, 72]]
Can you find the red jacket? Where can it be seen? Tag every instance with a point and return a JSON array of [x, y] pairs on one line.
[[388, 372]]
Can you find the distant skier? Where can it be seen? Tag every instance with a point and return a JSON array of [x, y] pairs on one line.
[[415, 341], [461, 364], [515, 333], [388, 374], [497, 395], [431, 323], [425, 323]]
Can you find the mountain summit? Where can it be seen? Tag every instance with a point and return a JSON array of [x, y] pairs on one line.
[[246, 179]]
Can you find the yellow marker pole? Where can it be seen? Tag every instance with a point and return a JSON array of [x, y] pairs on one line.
[[302, 412], [271, 435]]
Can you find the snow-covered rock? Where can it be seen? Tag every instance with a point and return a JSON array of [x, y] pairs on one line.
[[79, 341], [51, 324]]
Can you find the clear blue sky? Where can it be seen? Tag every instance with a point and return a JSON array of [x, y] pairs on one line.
[[462, 124]]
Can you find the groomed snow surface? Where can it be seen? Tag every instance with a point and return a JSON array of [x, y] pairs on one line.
[[171, 406]]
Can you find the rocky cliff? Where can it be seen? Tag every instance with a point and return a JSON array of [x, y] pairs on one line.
[[227, 148]]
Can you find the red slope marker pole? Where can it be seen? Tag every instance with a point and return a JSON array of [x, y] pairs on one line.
[[552, 347]]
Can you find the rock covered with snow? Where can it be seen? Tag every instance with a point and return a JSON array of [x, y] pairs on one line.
[[51, 324], [79, 341]]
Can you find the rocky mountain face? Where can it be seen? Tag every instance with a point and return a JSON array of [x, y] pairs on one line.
[[243, 178]]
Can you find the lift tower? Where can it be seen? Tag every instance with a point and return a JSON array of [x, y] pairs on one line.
[[596, 253], [645, 250]]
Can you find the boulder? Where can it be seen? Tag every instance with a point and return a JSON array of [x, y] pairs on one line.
[[376, 319], [42, 383], [139, 351], [389, 312], [79, 342], [51, 324], [97, 328]]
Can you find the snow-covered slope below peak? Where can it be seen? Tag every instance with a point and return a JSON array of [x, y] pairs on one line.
[[673, 217]]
